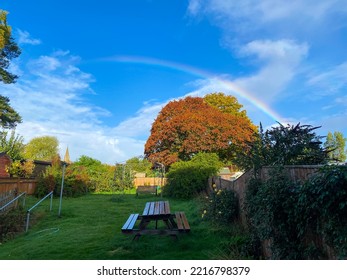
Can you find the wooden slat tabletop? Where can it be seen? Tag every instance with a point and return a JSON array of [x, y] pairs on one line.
[[155, 208]]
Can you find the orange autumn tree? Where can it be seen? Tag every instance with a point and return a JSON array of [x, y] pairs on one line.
[[187, 126]]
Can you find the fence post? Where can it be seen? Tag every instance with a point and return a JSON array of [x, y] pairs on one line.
[[50, 207], [61, 190], [25, 196], [27, 223]]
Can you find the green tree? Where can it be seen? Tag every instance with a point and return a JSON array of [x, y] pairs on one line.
[[100, 176], [9, 118], [226, 104], [285, 145], [42, 148], [8, 50], [12, 144], [137, 164], [87, 162], [123, 177], [336, 145]]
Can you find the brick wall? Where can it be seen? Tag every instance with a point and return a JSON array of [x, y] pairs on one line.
[[5, 160]]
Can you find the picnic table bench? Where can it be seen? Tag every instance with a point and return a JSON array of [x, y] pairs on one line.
[[146, 189], [156, 211]]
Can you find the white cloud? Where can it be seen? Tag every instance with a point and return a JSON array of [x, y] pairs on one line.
[[194, 6], [51, 97], [25, 38], [140, 124], [247, 15], [279, 62], [330, 82]]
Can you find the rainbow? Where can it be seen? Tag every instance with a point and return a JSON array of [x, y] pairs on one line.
[[235, 89]]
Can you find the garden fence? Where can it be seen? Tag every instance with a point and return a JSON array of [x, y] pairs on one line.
[[297, 173], [21, 185]]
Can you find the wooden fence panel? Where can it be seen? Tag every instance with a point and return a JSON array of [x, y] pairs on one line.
[[21, 185], [150, 181]]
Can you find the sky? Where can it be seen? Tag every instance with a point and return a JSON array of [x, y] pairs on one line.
[[95, 74]]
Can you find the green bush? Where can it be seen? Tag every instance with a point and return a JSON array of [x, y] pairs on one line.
[[300, 220], [101, 177], [221, 207], [271, 211], [188, 178], [11, 223], [322, 204], [76, 181]]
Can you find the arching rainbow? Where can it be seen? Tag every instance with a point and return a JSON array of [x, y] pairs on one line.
[[203, 74]]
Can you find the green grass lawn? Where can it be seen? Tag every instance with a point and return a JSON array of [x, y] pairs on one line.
[[90, 228]]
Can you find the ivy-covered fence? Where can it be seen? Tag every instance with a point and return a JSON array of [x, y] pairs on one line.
[[297, 212], [239, 186], [296, 173]]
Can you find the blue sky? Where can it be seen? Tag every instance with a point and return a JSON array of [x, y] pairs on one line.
[[95, 74]]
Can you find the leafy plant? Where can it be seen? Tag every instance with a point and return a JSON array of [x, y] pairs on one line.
[[300, 221], [11, 223], [221, 207], [11, 144], [322, 205], [21, 169], [188, 178], [270, 207]]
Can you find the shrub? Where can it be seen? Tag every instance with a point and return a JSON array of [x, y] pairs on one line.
[[188, 178], [271, 211], [76, 181], [221, 207], [101, 177], [21, 169], [322, 204], [300, 220], [11, 223]]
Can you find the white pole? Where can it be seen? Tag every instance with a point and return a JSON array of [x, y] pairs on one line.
[[61, 190]]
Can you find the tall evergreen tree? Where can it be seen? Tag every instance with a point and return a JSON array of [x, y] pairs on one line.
[[9, 50]]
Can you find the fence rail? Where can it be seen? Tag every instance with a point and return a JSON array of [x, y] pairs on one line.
[[13, 201], [7, 196], [33, 207]]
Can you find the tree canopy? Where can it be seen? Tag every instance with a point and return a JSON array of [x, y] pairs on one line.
[[285, 145], [336, 145], [42, 148], [12, 144], [8, 50], [225, 103], [187, 126], [137, 164], [9, 118]]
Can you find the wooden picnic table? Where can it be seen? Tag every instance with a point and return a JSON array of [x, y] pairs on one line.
[[156, 211]]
